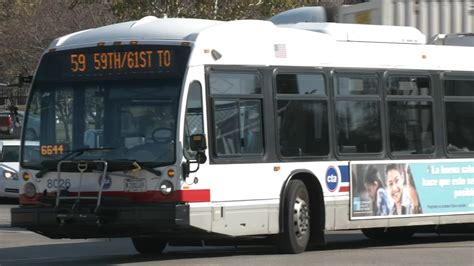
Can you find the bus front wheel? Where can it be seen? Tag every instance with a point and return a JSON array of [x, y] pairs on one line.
[[296, 219], [149, 245]]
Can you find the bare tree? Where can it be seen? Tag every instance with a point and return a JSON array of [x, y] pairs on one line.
[[26, 27], [32, 25], [213, 9]]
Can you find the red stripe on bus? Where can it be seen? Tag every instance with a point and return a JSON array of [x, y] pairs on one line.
[[192, 195], [196, 195], [24, 200], [344, 189]]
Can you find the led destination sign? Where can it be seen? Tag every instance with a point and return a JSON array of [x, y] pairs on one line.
[[113, 61], [125, 60]]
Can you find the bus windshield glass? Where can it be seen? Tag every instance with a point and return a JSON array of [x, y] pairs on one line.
[[117, 120], [113, 115]]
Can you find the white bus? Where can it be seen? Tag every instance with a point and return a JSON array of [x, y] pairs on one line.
[[174, 130]]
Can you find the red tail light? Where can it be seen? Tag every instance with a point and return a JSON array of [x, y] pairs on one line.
[[6, 123], [6, 120]]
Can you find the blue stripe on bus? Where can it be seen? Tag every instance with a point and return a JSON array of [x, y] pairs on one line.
[[344, 169]]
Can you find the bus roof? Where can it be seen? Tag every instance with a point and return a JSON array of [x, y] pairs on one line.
[[365, 33], [149, 28], [257, 42]]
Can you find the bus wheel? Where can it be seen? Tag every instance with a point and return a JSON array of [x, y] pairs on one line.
[[389, 234], [149, 245], [296, 219]]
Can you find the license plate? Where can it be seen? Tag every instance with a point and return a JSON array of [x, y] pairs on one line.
[[132, 185]]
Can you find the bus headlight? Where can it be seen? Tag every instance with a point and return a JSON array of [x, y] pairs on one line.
[[10, 175], [166, 187], [30, 190]]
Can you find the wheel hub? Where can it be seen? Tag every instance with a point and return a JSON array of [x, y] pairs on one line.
[[301, 217]]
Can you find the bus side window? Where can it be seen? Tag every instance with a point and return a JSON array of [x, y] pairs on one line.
[[237, 113], [193, 121], [459, 115], [302, 116], [410, 112], [358, 124]]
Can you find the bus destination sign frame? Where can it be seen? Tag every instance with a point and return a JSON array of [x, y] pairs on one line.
[[113, 61]]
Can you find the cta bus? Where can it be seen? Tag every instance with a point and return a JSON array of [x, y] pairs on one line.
[[175, 130]]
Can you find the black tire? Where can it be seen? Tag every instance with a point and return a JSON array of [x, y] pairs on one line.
[[388, 234], [149, 245], [296, 219]]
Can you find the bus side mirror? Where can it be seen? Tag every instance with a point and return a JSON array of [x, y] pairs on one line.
[[198, 142], [201, 157]]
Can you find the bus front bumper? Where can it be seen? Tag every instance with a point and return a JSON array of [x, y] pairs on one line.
[[107, 221]]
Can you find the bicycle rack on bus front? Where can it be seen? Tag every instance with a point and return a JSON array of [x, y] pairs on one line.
[[82, 167]]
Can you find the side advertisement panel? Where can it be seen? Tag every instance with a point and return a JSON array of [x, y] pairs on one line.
[[380, 189]]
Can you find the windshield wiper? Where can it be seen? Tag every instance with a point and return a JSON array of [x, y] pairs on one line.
[[49, 165], [52, 164], [131, 165], [77, 152], [146, 168], [114, 165]]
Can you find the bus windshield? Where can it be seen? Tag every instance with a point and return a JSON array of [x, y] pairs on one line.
[[110, 120]]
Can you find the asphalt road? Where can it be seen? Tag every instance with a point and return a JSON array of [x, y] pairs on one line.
[[344, 248]]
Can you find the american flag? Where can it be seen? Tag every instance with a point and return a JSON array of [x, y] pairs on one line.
[[280, 50]]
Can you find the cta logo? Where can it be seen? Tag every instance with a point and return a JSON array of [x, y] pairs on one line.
[[332, 179], [107, 182]]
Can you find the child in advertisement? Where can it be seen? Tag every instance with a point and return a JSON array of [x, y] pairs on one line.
[[376, 192], [401, 188]]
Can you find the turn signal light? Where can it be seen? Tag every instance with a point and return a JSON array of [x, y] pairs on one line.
[[26, 176], [171, 173]]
